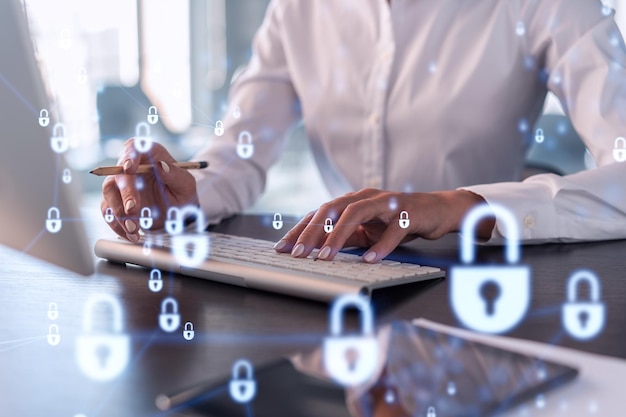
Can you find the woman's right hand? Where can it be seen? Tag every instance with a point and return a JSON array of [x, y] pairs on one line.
[[166, 186]]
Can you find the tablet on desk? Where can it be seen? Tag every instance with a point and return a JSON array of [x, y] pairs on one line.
[[451, 375]]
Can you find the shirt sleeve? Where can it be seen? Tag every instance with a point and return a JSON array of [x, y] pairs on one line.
[[262, 101], [585, 57]]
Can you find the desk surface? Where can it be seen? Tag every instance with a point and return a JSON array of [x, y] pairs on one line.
[[232, 323]]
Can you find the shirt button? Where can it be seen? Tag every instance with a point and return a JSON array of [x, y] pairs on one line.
[[529, 222], [374, 119]]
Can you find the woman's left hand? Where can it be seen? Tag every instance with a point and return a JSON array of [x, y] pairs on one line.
[[370, 218]]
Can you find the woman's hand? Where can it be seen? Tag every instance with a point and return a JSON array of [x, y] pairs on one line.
[[167, 186], [370, 218]]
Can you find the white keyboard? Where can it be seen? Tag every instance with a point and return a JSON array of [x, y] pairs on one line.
[[344, 265], [254, 263]]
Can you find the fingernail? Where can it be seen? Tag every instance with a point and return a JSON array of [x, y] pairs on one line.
[[323, 254], [127, 164], [132, 237], [280, 244], [165, 167], [297, 250], [369, 257], [130, 226], [130, 204]]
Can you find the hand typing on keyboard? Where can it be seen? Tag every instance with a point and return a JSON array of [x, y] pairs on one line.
[[380, 220]]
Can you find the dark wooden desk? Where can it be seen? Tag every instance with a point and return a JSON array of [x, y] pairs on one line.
[[37, 379]]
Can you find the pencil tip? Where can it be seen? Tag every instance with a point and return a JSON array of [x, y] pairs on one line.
[[203, 164]]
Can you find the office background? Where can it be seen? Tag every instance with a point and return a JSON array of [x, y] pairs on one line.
[[106, 62], [93, 79]]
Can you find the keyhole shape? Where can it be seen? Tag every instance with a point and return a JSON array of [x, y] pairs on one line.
[[190, 249], [583, 316], [103, 355], [490, 292], [352, 355]]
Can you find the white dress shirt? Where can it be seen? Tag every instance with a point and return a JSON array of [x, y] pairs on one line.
[[427, 95]]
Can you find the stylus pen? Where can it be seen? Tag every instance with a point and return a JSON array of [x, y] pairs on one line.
[[146, 168]]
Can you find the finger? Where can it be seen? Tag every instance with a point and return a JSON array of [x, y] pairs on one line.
[[179, 181], [354, 215], [288, 241], [121, 224], [391, 238], [130, 159], [131, 200], [315, 232], [115, 224]]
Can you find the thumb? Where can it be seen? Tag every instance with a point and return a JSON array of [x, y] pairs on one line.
[[179, 181]]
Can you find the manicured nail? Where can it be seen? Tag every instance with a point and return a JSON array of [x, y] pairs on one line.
[[369, 257], [324, 252], [127, 164], [130, 204], [133, 237], [297, 250], [165, 167], [130, 226], [280, 245]]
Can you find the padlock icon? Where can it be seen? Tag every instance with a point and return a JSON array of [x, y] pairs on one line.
[[59, 142], [53, 311], [65, 41], [277, 223], [44, 118], [328, 225], [583, 320], [142, 140], [242, 388], [190, 249], [66, 177], [430, 412], [108, 215], [155, 283], [404, 221], [619, 153], [245, 148], [54, 337], [169, 321], [102, 352], [174, 222], [53, 222], [539, 137], [188, 333], [82, 75], [490, 299], [236, 112], [153, 116], [219, 128], [351, 360], [145, 218]]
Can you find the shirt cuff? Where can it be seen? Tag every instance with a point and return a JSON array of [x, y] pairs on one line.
[[531, 205]]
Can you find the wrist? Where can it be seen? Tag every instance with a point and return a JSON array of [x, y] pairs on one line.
[[459, 203]]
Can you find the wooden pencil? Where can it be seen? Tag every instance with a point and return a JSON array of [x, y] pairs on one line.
[[146, 168]]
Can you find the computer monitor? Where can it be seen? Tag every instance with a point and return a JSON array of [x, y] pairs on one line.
[[32, 188]]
